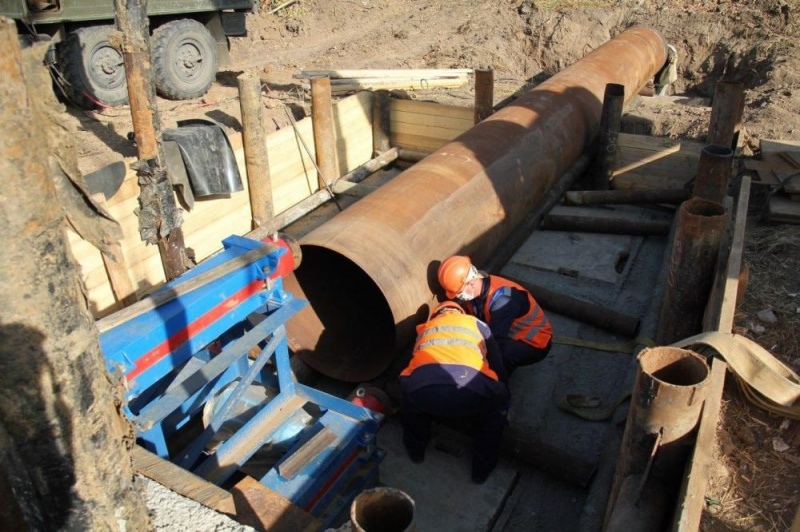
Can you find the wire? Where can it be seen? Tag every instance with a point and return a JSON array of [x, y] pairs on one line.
[[303, 142]]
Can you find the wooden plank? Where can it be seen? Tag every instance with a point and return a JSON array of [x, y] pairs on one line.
[[386, 73], [633, 159], [775, 145], [734, 266], [416, 142], [398, 84], [292, 465], [401, 128], [764, 170], [692, 498], [781, 208], [454, 123], [646, 142], [430, 108], [182, 481], [263, 509]]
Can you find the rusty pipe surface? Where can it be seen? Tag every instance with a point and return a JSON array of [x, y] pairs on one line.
[[370, 272]]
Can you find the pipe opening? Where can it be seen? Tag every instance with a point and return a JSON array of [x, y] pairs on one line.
[[716, 150], [614, 90], [382, 510], [355, 332], [675, 366], [701, 207]]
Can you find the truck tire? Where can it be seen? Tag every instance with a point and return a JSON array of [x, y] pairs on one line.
[[184, 59], [93, 69]]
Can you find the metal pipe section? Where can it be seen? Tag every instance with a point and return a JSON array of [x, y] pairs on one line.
[[619, 197], [668, 395], [610, 121], [699, 226], [713, 172], [370, 272]]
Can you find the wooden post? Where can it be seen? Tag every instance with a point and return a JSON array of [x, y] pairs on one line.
[[484, 93], [610, 120], [726, 114], [381, 123], [159, 216], [324, 135], [64, 441], [713, 172], [255, 149]]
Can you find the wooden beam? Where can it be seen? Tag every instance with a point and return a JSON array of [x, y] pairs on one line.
[[723, 321], [182, 482], [390, 73], [695, 486], [407, 84], [484, 93]]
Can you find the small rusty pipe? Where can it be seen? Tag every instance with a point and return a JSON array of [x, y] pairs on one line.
[[370, 272]]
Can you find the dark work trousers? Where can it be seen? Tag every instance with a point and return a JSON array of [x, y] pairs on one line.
[[488, 415], [517, 353]]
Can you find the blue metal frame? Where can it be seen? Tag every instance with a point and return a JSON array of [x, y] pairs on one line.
[[172, 371]]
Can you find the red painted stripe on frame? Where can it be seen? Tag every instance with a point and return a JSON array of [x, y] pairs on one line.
[[168, 345]]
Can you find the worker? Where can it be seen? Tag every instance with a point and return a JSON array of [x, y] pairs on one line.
[[518, 323], [455, 372]]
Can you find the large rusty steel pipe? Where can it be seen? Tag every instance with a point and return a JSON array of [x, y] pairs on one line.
[[370, 272]]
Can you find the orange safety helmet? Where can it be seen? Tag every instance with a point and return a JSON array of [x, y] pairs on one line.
[[453, 274], [446, 306]]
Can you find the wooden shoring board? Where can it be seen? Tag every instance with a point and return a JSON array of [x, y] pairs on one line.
[[645, 162], [213, 219], [427, 126]]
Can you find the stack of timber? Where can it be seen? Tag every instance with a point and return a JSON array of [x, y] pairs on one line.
[[343, 81], [293, 176], [780, 166]]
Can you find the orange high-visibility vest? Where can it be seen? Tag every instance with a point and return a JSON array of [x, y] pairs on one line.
[[450, 338], [533, 327]]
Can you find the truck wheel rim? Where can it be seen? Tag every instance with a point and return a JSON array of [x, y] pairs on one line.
[[190, 61], [107, 66]]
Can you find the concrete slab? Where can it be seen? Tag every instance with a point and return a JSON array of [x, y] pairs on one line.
[[445, 497], [571, 254]]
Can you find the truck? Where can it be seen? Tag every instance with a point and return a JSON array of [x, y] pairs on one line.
[[189, 42]]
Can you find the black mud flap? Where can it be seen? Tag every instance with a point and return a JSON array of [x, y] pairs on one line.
[[207, 156]]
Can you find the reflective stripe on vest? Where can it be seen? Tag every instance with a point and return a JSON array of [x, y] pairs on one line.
[[452, 339], [533, 327]]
